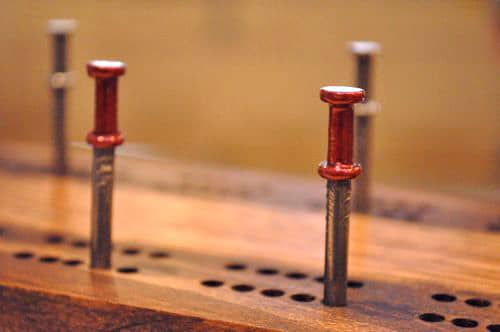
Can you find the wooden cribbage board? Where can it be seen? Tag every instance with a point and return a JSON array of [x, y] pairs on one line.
[[185, 262]]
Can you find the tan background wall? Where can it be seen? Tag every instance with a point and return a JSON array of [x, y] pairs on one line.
[[236, 82]]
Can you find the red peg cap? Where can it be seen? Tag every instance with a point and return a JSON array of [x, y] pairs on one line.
[[339, 164], [106, 73]]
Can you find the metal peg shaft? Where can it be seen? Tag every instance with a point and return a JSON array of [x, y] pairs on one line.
[[60, 31], [364, 52]]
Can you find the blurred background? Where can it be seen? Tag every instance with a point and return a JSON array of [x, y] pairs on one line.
[[236, 82]]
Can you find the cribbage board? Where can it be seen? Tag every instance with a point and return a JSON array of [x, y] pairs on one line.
[[186, 259]]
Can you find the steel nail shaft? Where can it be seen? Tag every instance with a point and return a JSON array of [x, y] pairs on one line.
[[59, 81], [364, 52]]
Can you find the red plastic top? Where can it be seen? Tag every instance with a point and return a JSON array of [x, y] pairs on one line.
[[339, 164], [105, 133]]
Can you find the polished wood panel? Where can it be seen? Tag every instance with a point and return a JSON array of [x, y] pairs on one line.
[[399, 265]]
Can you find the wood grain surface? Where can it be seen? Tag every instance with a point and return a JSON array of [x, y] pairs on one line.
[[178, 241]]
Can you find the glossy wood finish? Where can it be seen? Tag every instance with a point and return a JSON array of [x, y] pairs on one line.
[[139, 167], [229, 239]]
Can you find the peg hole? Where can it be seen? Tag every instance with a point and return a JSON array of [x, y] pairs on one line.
[[243, 288], [431, 317], [267, 271], [480, 303], [131, 251], [296, 275], [212, 283], [23, 255], [72, 262], [302, 297], [2, 231], [464, 322], [79, 244], [236, 266], [320, 279], [48, 259], [272, 292], [159, 254], [54, 239], [128, 269], [442, 297], [354, 284], [493, 327]]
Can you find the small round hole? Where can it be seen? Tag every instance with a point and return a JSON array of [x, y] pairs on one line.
[[441, 297], [320, 279], [272, 292], [481, 303], [2, 231], [23, 255], [48, 259], [267, 271], [236, 266], [431, 317], [128, 269], [54, 239], [72, 262], [354, 284], [493, 327], [303, 297], [159, 254], [296, 275], [243, 288], [212, 283], [464, 322], [131, 251], [79, 244]]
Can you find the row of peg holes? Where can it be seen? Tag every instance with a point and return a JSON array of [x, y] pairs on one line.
[[272, 292], [300, 297], [460, 322], [129, 251]]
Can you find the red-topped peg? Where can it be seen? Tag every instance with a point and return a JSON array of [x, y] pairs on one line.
[[106, 73], [339, 170], [105, 137], [339, 164]]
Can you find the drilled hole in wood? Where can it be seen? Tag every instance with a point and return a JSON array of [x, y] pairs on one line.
[[72, 262], [354, 284], [23, 255], [212, 283], [54, 239], [431, 317], [243, 288], [48, 259], [159, 254], [272, 292], [441, 297], [464, 322], [131, 251], [236, 266], [493, 327], [303, 297], [481, 303], [320, 279], [267, 271], [127, 269], [79, 244], [296, 275]]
